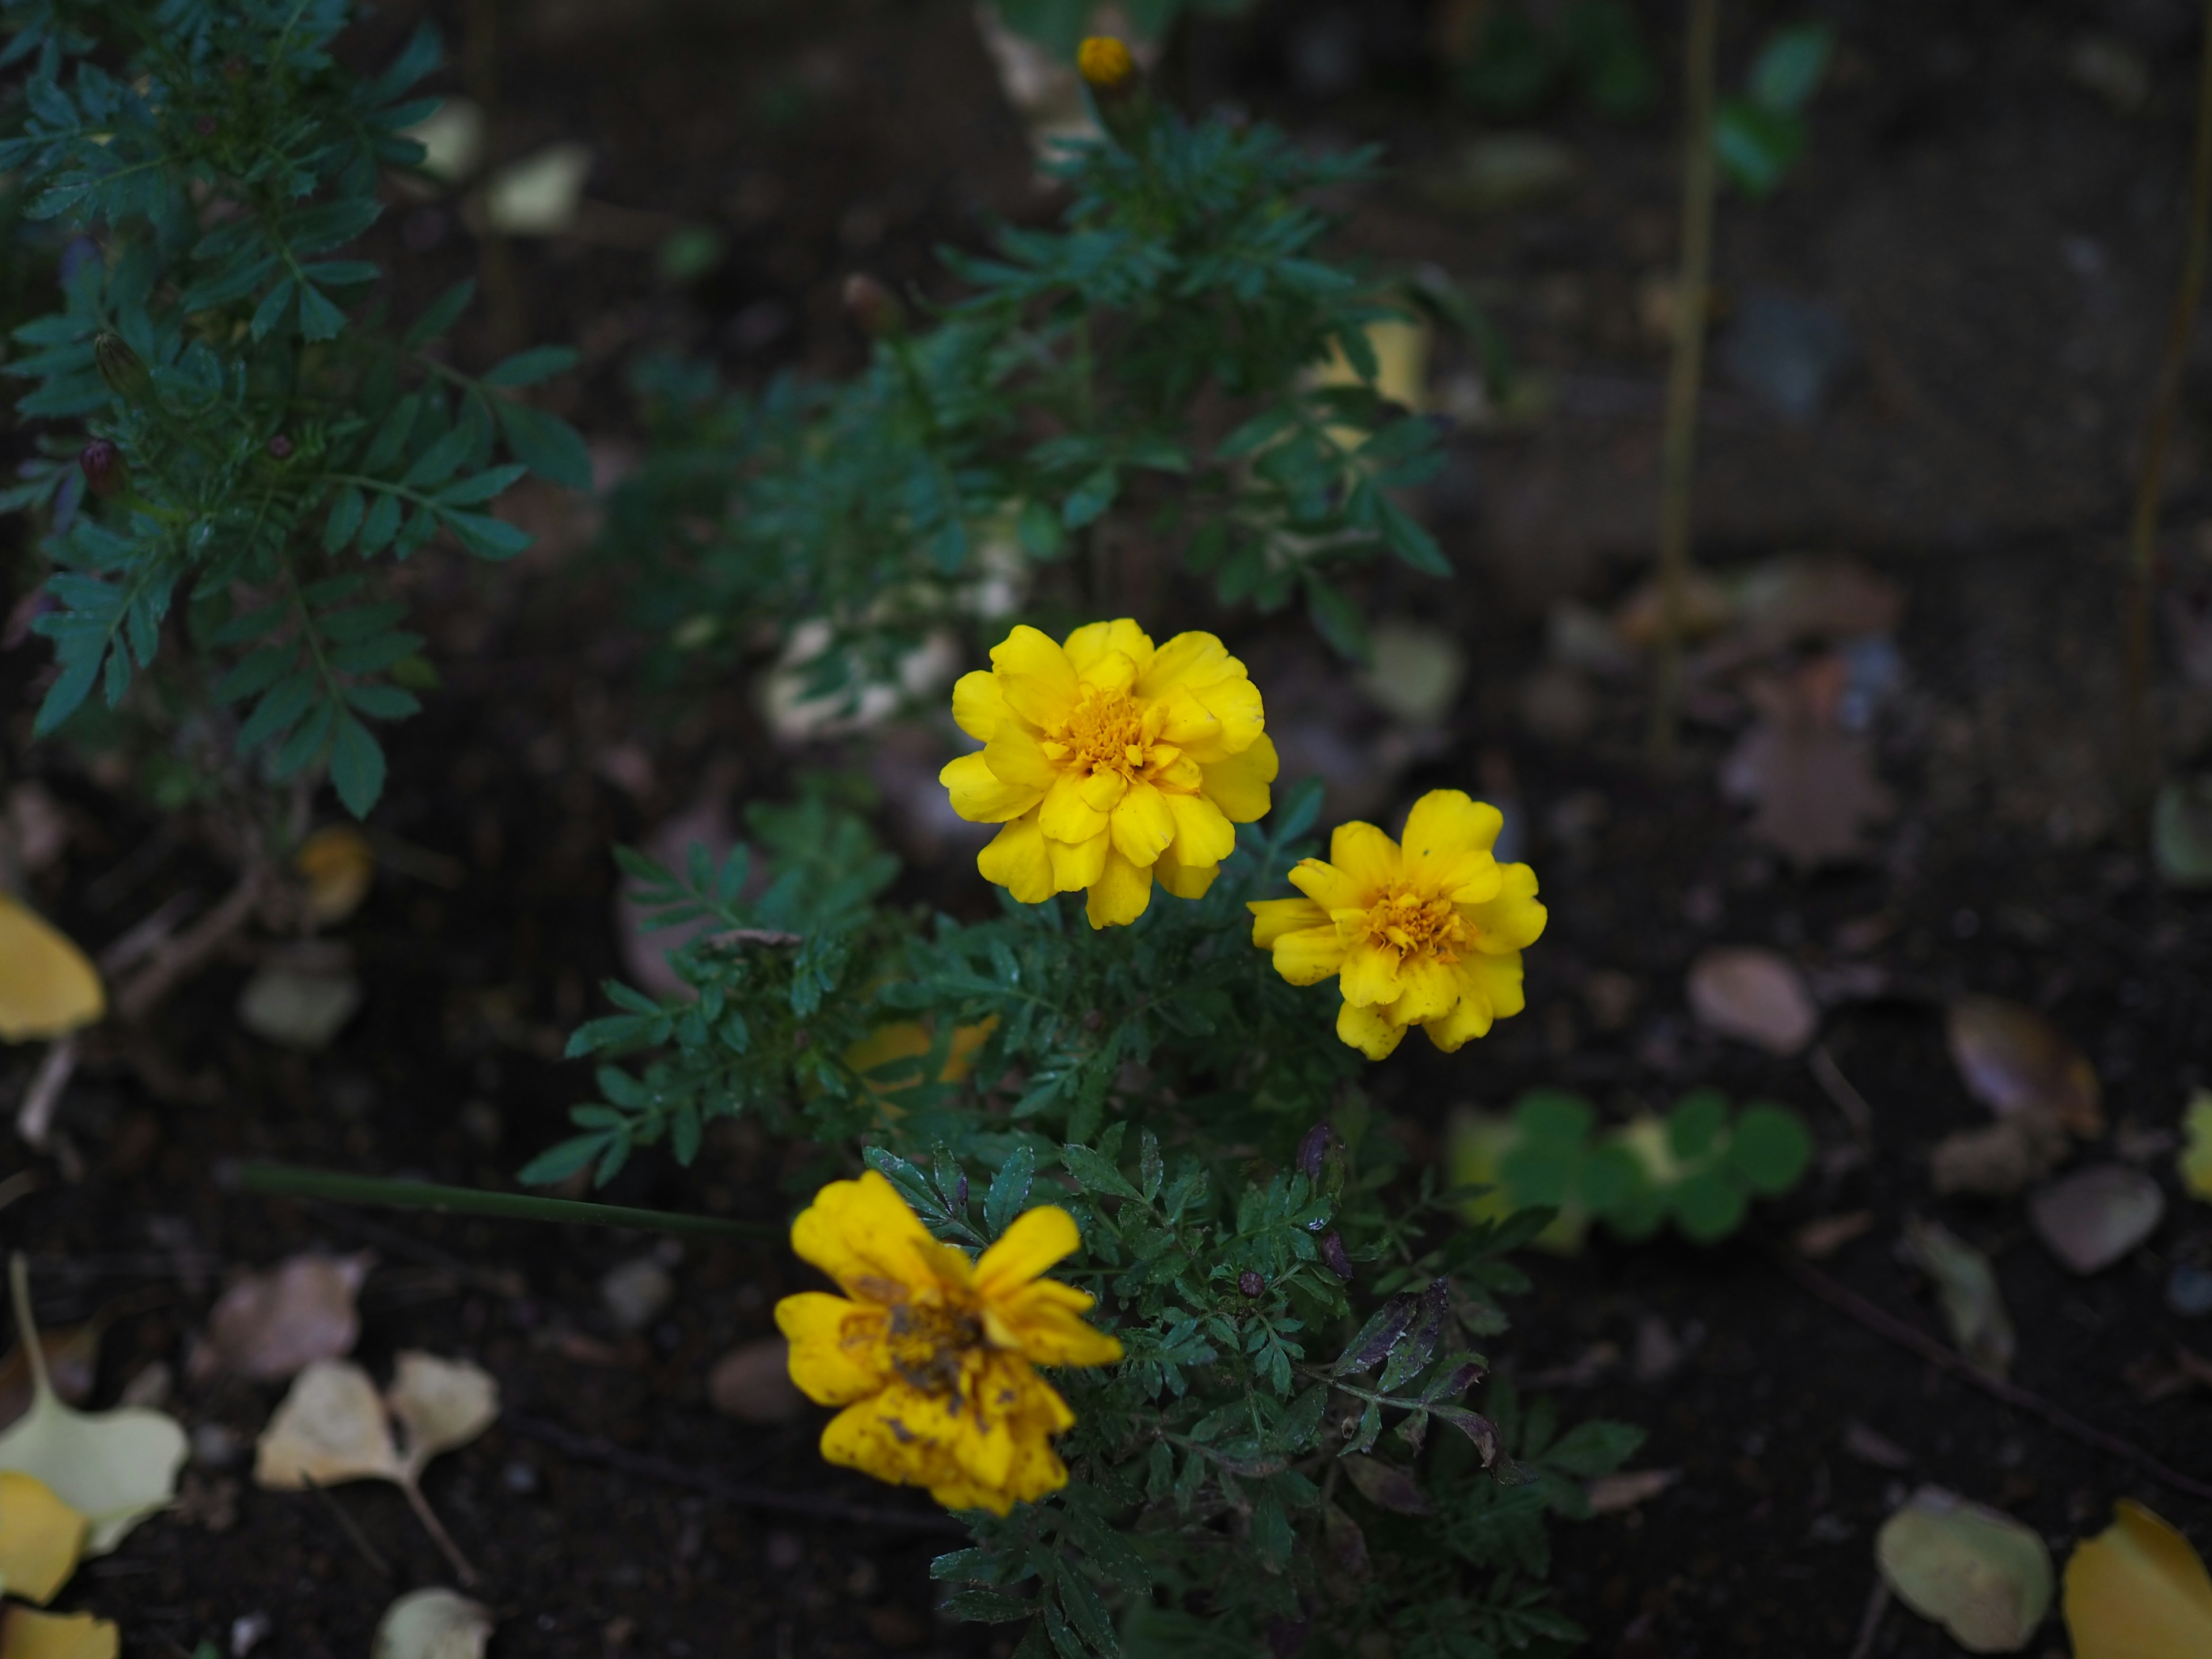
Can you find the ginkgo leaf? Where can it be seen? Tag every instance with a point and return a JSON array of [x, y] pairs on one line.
[[442, 1404], [430, 1624], [1976, 1572], [41, 1538], [114, 1467], [47, 989], [331, 1428], [2138, 1590], [28, 1635]]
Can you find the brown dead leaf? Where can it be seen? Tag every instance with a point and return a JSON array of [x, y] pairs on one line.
[[1811, 784], [1807, 597], [1385, 1485], [1818, 1240], [1611, 1494], [2094, 1217], [2012, 1059], [269, 1327], [1707, 608], [1756, 996], [2002, 1159], [753, 1383]]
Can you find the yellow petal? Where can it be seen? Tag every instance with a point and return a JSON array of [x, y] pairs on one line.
[[47, 989], [1429, 989], [1235, 703], [28, 1635], [1043, 1322], [1064, 814], [1238, 786], [1014, 757], [1184, 881], [836, 1352], [1329, 887], [1142, 825], [1016, 861], [1190, 659], [980, 796], [1203, 835], [1273, 918], [1186, 722], [1087, 646], [1110, 672], [1103, 790], [1038, 1239], [339, 866], [1368, 1031], [1120, 895], [862, 1234], [1035, 675], [979, 707], [2137, 1590], [1496, 981], [1076, 865], [1370, 975], [1447, 820], [1364, 854], [1469, 1018], [1310, 955], [41, 1538], [1511, 921]]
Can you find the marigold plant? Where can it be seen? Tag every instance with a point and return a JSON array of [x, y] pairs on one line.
[[933, 1356], [1429, 934], [1111, 764]]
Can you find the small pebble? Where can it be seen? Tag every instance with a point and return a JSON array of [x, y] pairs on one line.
[[521, 1478], [636, 1291], [248, 1631], [216, 1447], [784, 1551], [2189, 1290]]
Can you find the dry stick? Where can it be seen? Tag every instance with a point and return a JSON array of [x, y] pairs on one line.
[[2166, 405], [181, 956], [436, 1528], [1870, 1622], [1883, 1322], [35, 1121], [348, 1524], [1678, 455]]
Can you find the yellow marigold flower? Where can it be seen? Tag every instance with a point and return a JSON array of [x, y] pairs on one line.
[[1105, 63], [932, 1356], [1110, 763], [1430, 934]]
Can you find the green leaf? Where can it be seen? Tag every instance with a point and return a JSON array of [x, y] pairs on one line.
[[1697, 1121], [528, 368], [1010, 1190], [1336, 619], [1756, 146], [1770, 1148], [1788, 70], [1708, 1205], [345, 522], [546, 443], [278, 709], [444, 311], [1091, 498], [1093, 1174]]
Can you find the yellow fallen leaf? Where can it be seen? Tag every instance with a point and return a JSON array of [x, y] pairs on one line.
[[41, 1538], [28, 1635], [2196, 1160], [1976, 1572], [47, 989], [339, 866], [2137, 1590]]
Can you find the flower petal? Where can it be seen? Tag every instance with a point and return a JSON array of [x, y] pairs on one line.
[[1014, 757], [1447, 820], [1513, 921], [1235, 703], [1076, 865], [1308, 955], [1035, 675], [1103, 791], [1087, 645], [1368, 1031], [979, 795], [1273, 918], [1038, 1239], [1111, 672], [1120, 893], [1066, 815], [1142, 825], [1370, 975], [862, 1234], [1185, 722], [1203, 837], [1190, 659], [1044, 1323], [833, 1343], [1364, 854], [1238, 786], [1016, 861], [1429, 989], [1329, 887], [1183, 880], [979, 707]]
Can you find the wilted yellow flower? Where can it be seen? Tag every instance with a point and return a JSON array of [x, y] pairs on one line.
[[932, 1356], [1429, 935], [1105, 62], [1110, 763]]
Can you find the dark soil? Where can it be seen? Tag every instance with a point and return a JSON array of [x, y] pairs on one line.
[[2001, 244]]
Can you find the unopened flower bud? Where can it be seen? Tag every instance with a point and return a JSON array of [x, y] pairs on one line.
[[106, 472], [123, 369], [280, 447], [1333, 1253], [1117, 85], [1105, 64], [1251, 1283], [874, 307], [1312, 1150]]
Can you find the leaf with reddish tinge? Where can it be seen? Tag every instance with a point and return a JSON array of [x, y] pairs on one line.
[[1812, 784], [270, 1326], [1386, 1486], [2094, 1217], [1976, 1572], [1966, 1286], [1753, 995], [2013, 1060], [2138, 1590]]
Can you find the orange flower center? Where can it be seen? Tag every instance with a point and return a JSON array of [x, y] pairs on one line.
[[1103, 733], [927, 1340], [1418, 924]]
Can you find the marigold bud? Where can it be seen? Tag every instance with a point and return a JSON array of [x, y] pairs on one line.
[[874, 307], [106, 472], [1250, 1283], [1312, 1150], [1105, 63], [1333, 1253], [280, 447], [123, 369]]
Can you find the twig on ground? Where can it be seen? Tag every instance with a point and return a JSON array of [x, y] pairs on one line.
[[1840, 1093], [1870, 1622], [444, 1540], [147, 936], [173, 962], [35, 1120], [742, 1493], [1884, 1323], [350, 1527]]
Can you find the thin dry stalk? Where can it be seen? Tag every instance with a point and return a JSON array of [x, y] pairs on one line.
[[2142, 744], [178, 958], [1693, 287], [35, 1121]]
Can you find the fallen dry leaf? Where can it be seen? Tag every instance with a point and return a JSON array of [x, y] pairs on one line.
[[1811, 784], [1967, 1287], [28, 1635], [430, 1624], [2138, 1590], [2002, 1159], [41, 1538], [753, 1383], [1385, 1486], [2194, 1163], [47, 987], [1756, 996], [339, 867], [2013, 1060], [1610, 1494], [1976, 1572], [1806, 597], [1873, 1446], [2093, 1216], [442, 1404], [270, 1326], [1819, 1239], [1708, 607], [302, 1000], [114, 1467]]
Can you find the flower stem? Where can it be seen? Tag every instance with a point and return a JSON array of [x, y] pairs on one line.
[[2141, 746], [1678, 454], [289, 1180]]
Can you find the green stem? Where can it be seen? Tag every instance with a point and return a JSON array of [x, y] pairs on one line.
[[2142, 748], [1678, 454], [289, 1180]]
